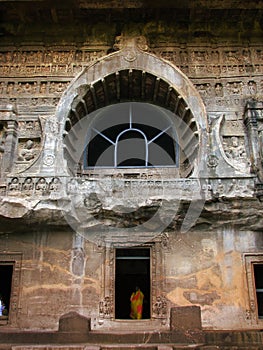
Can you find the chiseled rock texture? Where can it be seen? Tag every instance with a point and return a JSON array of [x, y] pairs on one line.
[[65, 72]]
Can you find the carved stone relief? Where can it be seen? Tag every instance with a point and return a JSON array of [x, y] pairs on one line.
[[160, 307], [234, 148], [253, 119], [28, 149], [2, 142]]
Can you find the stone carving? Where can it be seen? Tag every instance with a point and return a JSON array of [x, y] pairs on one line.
[[234, 88], [28, 186], [41, 186], [27, 151], [219, 90], [252, 87], [29, 128], [122, 42], [49, 159], [165, 240], [235, 150], [260, 131], [212, 161], [160, 307], [232, 57], [232, 188], [2, 142], [78, 261], [14, 185], [130, 46], [204, 89], [55, 185], [106, 307]]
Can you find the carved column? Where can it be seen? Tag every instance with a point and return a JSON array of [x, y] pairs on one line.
[[253, 119], [8, 117], [78, 255]]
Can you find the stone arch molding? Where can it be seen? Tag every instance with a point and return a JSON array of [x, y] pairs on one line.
[[131, 56]]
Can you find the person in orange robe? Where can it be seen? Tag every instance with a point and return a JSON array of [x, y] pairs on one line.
[[136, 300]]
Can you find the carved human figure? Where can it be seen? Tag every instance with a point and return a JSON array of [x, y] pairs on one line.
[[220, 189], [14, 185], [55, 185], [78, 261], [43, 88], [105, 307], [27, 153], [28, 185], [41, 185], [160, 307], [252, 88], [27, 88], [219, 90], [235, 150], [10, 88]]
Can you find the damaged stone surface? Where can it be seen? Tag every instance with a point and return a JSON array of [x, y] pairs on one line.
[[63, 221]]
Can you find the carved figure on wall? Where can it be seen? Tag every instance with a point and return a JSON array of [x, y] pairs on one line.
[[105, 307], [219, 90], [231, 57], [235, 150], [220, 189], [43, 88], [55, 185], [2, 140], [28, 152], [160, 307], [252, 87], [78, 261], [235, 88], [260, 132], [14, 185], [27, 186], [10, 88], [41, 186]]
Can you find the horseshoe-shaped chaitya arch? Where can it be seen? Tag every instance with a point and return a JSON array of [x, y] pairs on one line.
[[130, 74]]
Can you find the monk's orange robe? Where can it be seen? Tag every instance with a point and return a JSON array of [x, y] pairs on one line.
[[136, 305]]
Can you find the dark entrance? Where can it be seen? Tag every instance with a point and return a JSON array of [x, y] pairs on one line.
[[6, 272], [258, 274], [132, 269]]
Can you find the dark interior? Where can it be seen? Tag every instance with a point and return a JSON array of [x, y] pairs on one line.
[[6, 272], [132, 269]]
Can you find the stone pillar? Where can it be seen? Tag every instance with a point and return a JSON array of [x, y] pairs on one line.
[[78, 255], [8, 117], [253, 118]]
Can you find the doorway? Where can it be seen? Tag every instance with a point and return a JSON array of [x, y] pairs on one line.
[[258, 275], [132, 269], [6, 273]]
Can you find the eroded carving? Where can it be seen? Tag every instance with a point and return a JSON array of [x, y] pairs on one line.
[[27, 151], [234, 148], [160, 307], [106, 307]]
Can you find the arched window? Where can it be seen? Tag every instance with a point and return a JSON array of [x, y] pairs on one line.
[[131, 135]]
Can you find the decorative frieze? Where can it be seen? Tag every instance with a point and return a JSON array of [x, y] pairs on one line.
[[135, 190]]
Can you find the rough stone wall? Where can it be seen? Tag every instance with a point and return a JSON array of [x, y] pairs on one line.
[[205, 266], [55, 277]]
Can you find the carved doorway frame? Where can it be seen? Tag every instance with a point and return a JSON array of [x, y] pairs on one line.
[[252, 312], [14, 259], [158, 303]]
